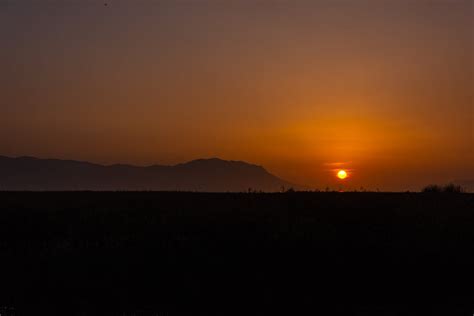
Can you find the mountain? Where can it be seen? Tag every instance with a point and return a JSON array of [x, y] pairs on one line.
[[208, 175]]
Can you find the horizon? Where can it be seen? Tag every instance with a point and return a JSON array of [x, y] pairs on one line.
[[465, 186], [380, 90]]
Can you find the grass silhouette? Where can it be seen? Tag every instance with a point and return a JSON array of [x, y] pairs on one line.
[[176, 253]]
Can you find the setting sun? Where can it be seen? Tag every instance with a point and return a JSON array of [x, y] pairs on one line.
[[342, 174]]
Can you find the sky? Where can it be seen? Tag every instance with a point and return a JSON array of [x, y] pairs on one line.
[[382, 89]]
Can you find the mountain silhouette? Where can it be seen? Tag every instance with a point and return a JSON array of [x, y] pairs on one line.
[[206, 175]]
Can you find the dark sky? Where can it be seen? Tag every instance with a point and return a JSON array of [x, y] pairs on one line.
[[381, 88]]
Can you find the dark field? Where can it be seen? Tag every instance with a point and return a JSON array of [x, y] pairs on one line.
[[236, 254]]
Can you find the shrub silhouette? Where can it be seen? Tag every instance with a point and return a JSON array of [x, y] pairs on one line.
[[432, 188], [448, 188], [453, 188]]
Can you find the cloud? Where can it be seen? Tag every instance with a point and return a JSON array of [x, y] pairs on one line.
[[335, 164]]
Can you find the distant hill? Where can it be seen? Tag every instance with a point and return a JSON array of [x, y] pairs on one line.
[[208, 175]]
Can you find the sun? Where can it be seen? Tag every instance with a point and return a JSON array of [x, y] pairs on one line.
[[342, 174]]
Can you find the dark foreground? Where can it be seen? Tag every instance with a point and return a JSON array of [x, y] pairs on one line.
[[236, 254]]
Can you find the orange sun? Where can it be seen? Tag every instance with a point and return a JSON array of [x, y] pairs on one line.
[[342, 174]]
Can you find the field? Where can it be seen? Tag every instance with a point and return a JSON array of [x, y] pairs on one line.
[[151, 253]]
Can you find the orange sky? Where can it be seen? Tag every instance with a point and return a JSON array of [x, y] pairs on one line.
[[382, 88]]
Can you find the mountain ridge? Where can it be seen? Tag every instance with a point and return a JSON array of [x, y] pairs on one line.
[[26, 173]]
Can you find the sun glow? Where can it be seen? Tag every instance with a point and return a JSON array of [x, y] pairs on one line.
[[342, 174]]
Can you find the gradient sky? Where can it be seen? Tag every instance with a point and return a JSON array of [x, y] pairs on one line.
[[381, 88]]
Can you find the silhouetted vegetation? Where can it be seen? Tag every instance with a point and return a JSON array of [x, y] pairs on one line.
[[448, 188], [236, 254]]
